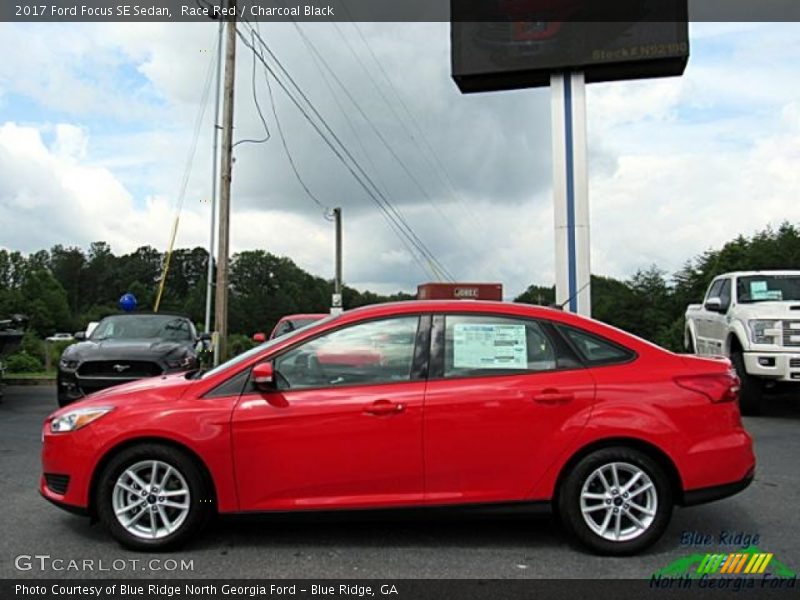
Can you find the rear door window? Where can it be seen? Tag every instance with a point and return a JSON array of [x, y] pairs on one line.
[[596, 350]]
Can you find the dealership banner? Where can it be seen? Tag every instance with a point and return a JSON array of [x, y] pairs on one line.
[[399, 589]]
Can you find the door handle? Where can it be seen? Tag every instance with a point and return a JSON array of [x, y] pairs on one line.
[[552, 397], [381, 408]]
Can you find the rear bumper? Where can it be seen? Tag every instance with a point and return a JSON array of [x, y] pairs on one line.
[[717, 492], [777, 366]]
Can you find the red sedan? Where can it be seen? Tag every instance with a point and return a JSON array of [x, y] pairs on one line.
[[461, 403]]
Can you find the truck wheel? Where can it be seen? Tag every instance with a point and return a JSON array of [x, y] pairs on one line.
[[688, 342], [751, 392]]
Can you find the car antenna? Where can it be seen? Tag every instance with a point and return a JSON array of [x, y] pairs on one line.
[[561, 306]]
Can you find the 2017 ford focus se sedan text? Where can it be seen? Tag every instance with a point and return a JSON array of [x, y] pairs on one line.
[[407, 405]]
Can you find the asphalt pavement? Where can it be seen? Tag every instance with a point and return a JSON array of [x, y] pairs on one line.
[[441, 546]]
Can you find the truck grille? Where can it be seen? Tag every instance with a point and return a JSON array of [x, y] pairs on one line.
[[794, 363], [791, 329], [57, 483], [125, 369]]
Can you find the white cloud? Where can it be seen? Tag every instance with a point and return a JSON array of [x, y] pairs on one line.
[[103, 116]]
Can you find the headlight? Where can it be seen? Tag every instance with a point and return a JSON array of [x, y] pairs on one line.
[[68, 364], [75, 419], [759, 331], [184, 361]]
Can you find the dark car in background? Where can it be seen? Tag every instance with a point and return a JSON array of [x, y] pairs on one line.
[[124, 348]]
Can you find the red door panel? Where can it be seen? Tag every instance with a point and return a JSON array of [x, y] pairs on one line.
[[337, 447], [489, 439]]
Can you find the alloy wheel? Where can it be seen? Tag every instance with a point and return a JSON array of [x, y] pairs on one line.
[[619, 501], [151, 499]]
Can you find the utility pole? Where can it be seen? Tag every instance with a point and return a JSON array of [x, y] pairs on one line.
[[336, 303], [214, 176], [221, 297]]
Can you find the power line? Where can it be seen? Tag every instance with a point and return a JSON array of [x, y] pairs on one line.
[[302, 183], [371, 123], [368, 157], [258, 109], [435, 263], [187, 171], [415, 122], [344, 155]]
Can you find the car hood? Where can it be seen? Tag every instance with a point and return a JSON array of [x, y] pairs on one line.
[[163, 388], [769, 310], [125, 349]]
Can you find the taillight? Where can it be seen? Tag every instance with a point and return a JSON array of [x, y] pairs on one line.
[[717, 387]]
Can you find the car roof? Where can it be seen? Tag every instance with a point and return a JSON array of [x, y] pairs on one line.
[[756, 273], [145, 313], [304, 316], [460, 306]]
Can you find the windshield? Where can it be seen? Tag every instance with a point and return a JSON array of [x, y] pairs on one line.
[[132, 327], [762, 288], [269, 343]]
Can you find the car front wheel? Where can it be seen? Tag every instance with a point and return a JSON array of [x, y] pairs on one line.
[[616, 501], [153, 497]]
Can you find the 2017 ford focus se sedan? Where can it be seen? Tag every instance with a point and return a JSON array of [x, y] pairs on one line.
[[407, 405]]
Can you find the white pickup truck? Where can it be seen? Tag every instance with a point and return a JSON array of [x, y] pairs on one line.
[[753, 318]]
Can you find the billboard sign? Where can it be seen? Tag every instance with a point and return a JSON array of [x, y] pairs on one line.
[[510, 44]]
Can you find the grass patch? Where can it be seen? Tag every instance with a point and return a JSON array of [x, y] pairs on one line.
[[34, 375]]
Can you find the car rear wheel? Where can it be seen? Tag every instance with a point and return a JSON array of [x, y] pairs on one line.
[[153, 497], [616, 501], [751, 391]]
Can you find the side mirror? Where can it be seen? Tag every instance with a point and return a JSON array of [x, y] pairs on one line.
[[259, 338], [79, 336], [204, 337], [714, 304], [263, 377]]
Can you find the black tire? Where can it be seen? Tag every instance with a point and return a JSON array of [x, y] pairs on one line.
[[568, 503], [200, 497], [751, 390], [689, 344], [63, 399]]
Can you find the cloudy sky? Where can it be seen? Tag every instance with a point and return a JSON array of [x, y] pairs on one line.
[[97, 122]]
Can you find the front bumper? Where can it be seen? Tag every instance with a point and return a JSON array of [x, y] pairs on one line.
[[776, 366], [67, 455]]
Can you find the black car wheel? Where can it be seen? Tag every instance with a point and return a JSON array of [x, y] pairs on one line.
[[62, 392], [153, 497], [616, 501]]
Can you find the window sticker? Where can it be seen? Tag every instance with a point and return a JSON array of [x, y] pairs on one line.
[[489, 346], [759, 291]]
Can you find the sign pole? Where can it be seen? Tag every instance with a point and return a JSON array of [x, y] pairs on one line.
[[571, 191], [336, 300]]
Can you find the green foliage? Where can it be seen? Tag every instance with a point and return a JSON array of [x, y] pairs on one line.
[[57, 349], [538, 294], [22, 362], [32, 346], [238, 343], [66, 288], [652, 305]]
